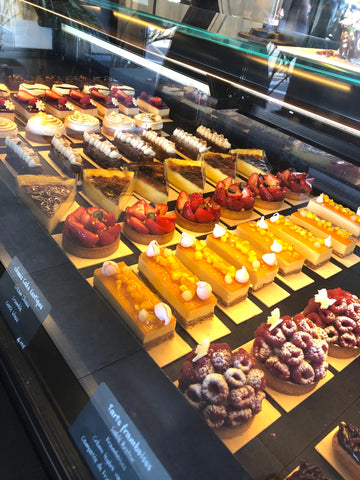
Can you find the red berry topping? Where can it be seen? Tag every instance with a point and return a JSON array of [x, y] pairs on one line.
[[303, 374], [214, 389], [278, 368], [291, 354]]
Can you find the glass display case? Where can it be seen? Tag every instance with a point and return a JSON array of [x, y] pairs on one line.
[[264, 81]]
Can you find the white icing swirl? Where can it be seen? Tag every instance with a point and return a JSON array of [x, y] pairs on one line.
[[274, 218], [80, 122], [242, 275], [203, 290], [102, 144], [218, 231], [62, 145], [163, 312], [328, 242], [187, 240], [262, 223], [270, 259], [320, 198], [118, 121], [45, 124], [153, 249], [276, 246], [109, 268]]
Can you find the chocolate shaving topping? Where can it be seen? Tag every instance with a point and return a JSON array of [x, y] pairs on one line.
[[48, 197]]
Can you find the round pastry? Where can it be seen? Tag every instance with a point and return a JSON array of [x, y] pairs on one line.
[[42, 127], [7, 128], [268, 192], [236, 199], [346, 448], [149, 120], [298, 184], [222, 385], [77, 123], [338, 313], [196, 213], [115, 121], [292, 352], [145, 222], [91, 233]]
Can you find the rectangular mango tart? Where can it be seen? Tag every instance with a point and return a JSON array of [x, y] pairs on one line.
[[343, 242], [138, 306], [229, 284], [262, 269], [315, 249], [192, 300], [341, 216], [257, 233]]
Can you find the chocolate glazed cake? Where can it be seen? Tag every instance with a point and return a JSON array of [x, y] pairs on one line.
[[133, 147], [65, 157], [101, 150]]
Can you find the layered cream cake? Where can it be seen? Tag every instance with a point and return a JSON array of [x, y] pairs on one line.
[[101, 150], [21, 156], [42, 127], [27, 105], [229, 284], [133, 147], [163, 147], [150, 104], [258, 234], [188, 144], [7, 108], [216, 141], [77, 123], [150, 319], [262, 268], [185, 175], [65, 156], [191, 299], [57, 105]]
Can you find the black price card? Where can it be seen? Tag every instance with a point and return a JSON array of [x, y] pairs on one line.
[[22, 304], [110, 443]]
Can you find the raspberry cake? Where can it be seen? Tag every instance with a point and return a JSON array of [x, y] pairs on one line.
[[338, 313], [236, 199], [223, 386], [77, 123], [42, 127], [21, 156], [217, 142], [110, 189], [65, 156], [64, 89], [191, 299], [188, 144], [346, 448], [82, 102], [27, 105], [196, 213], [218, 166], [269, 194], [91, 233], [292, 353], [104, 102], [162, 147], [228, 284], [133, 147], [150, 104], [262, 268], [149, 318], [145, 222], [116, 121], [127, 104], [7, 109], [57, 105], [101, 150], [185, 175]]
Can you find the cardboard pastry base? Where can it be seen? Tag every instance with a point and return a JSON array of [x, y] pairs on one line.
[[232, 223], [241, 311], [324, 447], [214, 329], [264, 211], [327, 270], [169, 351], [296, 281], [174, 241], [348, 261], [340, 363], [236, 438], [271, 294]]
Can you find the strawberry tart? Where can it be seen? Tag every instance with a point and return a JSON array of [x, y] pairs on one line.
[[145, 222], [236, 199], [269, 194], [196, 213], [223, 386], [299, 184], [91, 233]]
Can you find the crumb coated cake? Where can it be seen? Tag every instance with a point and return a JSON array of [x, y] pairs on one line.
[[185, 175], [191, 299], [223, 386], [188, 144], [163, 147], [101, 150], [115, 121], [149, 318], [65, 156], [21, 156], [133, 147], [216, 141], [229, 284]]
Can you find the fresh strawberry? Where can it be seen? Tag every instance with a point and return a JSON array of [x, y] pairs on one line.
[[96, 95], [216, 210], [137, 210], [203, 215], [234, 203], [165, 223], [114, 91], [84, 217], [154, 227], [253, 179], [227, 182], [156, 101], [95, 225], [83, 236], [187, 212], [137, 225], [2, 101], [234, 190], [182, 198], [271, 180], [51, 95], [265, 194], [195, 200], [109, 219], [248, 198], [148, 208], [219, 196], [85, 100], [143, 95], [109, 236], [120, 95], [62, 101], [75, 94], [128, 100], [161, 208], [278, 193], [26, 97], [171, 216]]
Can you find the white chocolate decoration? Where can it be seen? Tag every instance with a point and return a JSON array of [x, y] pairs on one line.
[[276, 247], [327, 241], [274, 218], [187, 240], [187, 295], [274, 319], [163, 312], [218, 231], [143, 315], [153, 249], [270, 259], [322, 298], [242, 275], [202, 349], [109, 268], [203, 290], [320, 198], [262, 223], [40, 105], [9, 105]]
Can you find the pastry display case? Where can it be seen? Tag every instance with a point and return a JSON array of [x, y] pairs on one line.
[[99, 395]]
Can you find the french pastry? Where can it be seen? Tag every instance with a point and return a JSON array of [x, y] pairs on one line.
[[217, 142], [82, 102], [127, 104], [257, 233], [98, 88], [148, 121], [150, 104], [196, 213], [228, 284], [269, 194], [299, 184], [116, 86], [305, 471], [316, 250], [236, 199], [185, 174], [7, 128], [27, 105], [64, 89], [65, 156], [77, 123], [188, 144], [251, 160], [91, 233], [36, 89], [218, 166], [262, 268], [57, 105], [110, 189], [101, 150], [133, 147], [343, 242], [162, 147], [42, 127], [191, 299], [76, 81], [7, 108], [150, 181], [292, 353], [104, 102], [343, 217], [346, 448], [144, 223], [48, 197], [21, 156], [116, 121], [149, 318], [338, 313], [224, 386]]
